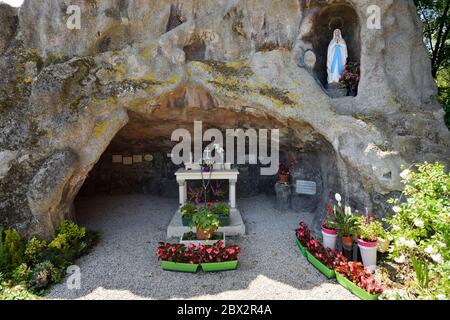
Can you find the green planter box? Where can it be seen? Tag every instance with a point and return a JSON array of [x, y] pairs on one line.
[[301, 248], [187, 221], [180, 267], [224, 221], [219, 266], [353, 288], [321, 267]]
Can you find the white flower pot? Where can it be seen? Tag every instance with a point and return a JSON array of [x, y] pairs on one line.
[[329, 238], [368, 254]]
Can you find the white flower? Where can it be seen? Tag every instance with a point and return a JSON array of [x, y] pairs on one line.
[[429, 249], [441, 244], [437, 258], [348, 211], [410, 243], [405, 174], [441, 297], [419, 223], [400, 259], [402, 241], [396, 228], [397, 209], [338, 198]]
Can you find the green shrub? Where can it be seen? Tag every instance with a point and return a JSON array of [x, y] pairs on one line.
[[44, 273], [22, 274], [11, 251], [188, 210], [205, 219], [420, 228], [34, 250]]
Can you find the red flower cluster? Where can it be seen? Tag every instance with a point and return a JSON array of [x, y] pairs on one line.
[[197, 254], [328, 257], [303, 234], [363, 278], [286, 168], [218, 253]]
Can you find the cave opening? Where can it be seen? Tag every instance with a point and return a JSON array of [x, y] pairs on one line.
[[137, 160]]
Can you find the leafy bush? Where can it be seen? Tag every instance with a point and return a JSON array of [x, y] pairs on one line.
[[11, 251], [29, 267], [21, 274], [34, 250], [420, 228]]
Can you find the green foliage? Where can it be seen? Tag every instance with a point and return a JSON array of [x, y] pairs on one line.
[[22, 274], [11, 251], [28, 268], [370, 230], [188, 210], [420, 228], [436, 34], [422, 272], [222, 209], [205, 219], [34, 250], [345, 223]]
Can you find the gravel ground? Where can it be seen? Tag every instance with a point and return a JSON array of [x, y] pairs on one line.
[[124, 266]]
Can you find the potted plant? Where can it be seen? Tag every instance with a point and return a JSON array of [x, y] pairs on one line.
[[206, 223], [368, 232], [347, 226], [206, 165], [359, 280], [303, 236], [217, 257], [187, 212], [329, 231], [222, 211], [178, 257], [285, 169]]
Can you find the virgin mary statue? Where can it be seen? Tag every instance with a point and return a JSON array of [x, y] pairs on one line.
[[337, 57]]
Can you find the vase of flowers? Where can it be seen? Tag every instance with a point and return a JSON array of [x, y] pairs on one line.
[[285, 169]]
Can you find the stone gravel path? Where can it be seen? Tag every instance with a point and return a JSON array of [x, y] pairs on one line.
[[124, 266]]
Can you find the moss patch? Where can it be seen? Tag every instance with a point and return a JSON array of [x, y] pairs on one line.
[[230, 69]]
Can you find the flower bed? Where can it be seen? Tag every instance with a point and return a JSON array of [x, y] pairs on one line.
[[359, 280], [303, 236], [217, 257], [325, 260]]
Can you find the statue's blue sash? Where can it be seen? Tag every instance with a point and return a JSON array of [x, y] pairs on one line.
[[337, 60]]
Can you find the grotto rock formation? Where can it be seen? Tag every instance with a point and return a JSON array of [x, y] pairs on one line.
[[64, 94]]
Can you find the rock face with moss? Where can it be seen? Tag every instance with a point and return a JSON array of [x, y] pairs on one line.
[[65, 94]]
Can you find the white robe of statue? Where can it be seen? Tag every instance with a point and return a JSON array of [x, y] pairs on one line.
[[337, 57]]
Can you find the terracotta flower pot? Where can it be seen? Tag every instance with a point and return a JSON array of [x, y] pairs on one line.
[[283, 178], [204, 234], [347, 242]]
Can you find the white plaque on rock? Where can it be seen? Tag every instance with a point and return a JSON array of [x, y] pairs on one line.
[[127, 160], [137, 158], [305, 187], [117, 158]]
